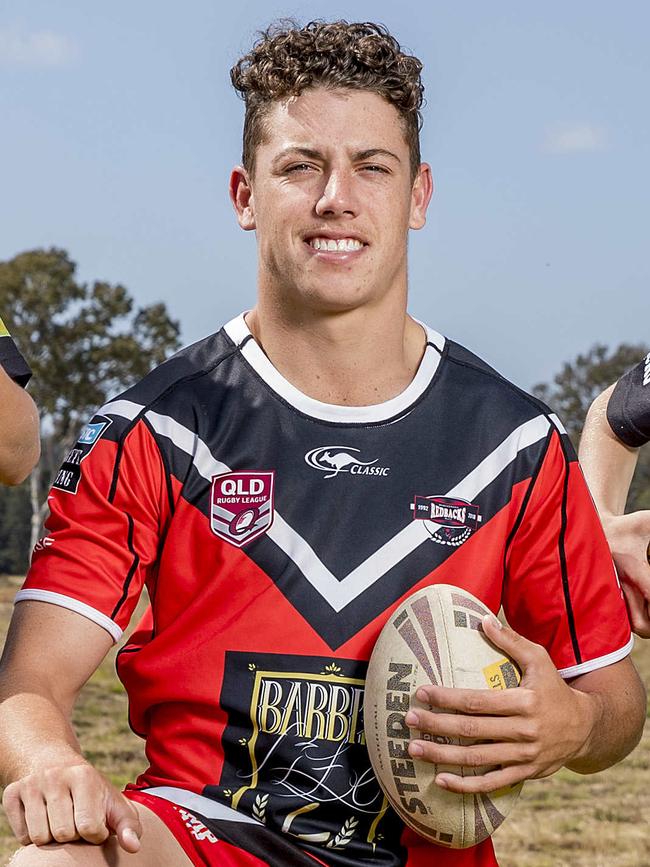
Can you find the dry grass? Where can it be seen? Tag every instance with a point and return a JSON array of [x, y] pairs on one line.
[[563, 821]]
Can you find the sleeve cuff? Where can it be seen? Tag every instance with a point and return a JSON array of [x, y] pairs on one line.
[[599, 661], [73, 605]]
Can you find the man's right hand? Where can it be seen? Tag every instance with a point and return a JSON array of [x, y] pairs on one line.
[[70, 802]]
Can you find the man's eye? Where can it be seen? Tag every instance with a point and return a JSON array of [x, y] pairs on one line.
[[299, 167], [373, 168]]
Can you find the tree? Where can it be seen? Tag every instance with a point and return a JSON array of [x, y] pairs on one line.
[[576, 386], [83, 342]]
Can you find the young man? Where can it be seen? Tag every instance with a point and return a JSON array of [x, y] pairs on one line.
[[19, 437], [617, 425], [263, 485]]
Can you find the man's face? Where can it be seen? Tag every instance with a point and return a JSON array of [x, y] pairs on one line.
[[332, 199]]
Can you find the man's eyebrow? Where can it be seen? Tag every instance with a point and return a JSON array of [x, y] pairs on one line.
[[374, 152], [310, 153]]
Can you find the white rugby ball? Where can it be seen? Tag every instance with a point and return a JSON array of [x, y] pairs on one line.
[[434, 637]]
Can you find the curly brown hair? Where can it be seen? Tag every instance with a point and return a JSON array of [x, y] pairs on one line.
[[288, 58]]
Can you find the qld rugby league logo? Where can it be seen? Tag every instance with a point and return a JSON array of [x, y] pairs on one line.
[[241, 506], [449, 520]]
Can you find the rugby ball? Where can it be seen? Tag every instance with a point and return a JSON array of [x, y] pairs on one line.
[[434, 637]]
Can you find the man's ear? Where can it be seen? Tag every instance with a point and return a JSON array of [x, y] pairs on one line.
[[421, 193], [241, 196]]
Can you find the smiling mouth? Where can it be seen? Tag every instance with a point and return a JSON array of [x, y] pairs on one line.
[[339, 245]]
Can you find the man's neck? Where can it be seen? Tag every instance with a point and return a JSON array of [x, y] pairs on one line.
[[353, 358]]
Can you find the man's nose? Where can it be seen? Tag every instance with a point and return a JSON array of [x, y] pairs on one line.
[[337, 196]]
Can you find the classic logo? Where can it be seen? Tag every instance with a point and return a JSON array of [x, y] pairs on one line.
[[69, 476], [449, 520], [340, 459], [241, 506]]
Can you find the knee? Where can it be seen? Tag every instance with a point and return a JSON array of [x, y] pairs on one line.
[[59, 855], [37, 856]]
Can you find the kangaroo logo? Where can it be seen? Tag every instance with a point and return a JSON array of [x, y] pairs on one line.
[[338, 459]]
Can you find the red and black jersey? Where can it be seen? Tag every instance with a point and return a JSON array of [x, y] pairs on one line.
[[628, 408], [276, 534], [11, 359]]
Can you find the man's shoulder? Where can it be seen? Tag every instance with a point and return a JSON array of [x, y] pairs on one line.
[[173, 379], [489, 382]]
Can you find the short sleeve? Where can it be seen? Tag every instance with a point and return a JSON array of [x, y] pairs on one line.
[[109, 505], [628, 409], [561, 588], [11, 359]]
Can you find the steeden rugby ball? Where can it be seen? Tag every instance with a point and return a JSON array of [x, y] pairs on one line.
[[434, 637]]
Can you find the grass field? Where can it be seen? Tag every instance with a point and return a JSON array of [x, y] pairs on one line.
[[563, 821]]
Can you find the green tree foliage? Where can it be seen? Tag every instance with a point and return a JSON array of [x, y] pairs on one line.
[[577, 385], [15, 529], [84, 343]]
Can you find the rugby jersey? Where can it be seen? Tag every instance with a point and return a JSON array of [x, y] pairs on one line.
[[276, 534]]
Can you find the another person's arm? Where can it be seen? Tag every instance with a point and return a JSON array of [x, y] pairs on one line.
[[19, 438], [617, 425], [19, 431]]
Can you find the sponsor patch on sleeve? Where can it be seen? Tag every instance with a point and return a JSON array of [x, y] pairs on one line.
[[68, 477]]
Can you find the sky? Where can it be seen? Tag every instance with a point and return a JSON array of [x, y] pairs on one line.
[[119, 128]]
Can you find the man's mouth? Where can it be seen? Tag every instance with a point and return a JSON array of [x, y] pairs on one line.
[[340, 245]]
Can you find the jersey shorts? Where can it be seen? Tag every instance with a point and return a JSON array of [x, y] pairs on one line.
[[11, 359], [628, 409], [275, 535], [209, 841]]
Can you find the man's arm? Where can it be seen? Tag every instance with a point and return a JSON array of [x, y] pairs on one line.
[[19, 435], [52, 793], [608, 465], [532, 731]]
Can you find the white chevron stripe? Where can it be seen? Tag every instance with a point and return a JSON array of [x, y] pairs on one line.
[[558, 424], [340, 592], [123, 408], [189, 442], [200, 804]]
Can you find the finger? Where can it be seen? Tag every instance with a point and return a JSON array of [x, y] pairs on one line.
[[484, 728], [637, 610], [38, 827], [523, 651], [122, 818], [89, 812], [13, 807], [474, 756], [60, 816], [495, 702], [490, 782], [637, 575]]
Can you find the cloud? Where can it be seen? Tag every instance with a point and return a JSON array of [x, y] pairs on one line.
[[40, 48], [575, 138]]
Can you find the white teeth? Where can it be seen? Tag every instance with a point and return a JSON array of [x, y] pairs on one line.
[[343, 244]]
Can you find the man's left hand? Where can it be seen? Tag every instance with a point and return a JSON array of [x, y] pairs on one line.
[[524, 733]]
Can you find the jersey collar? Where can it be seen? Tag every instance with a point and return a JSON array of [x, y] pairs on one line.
[[240, 334]]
